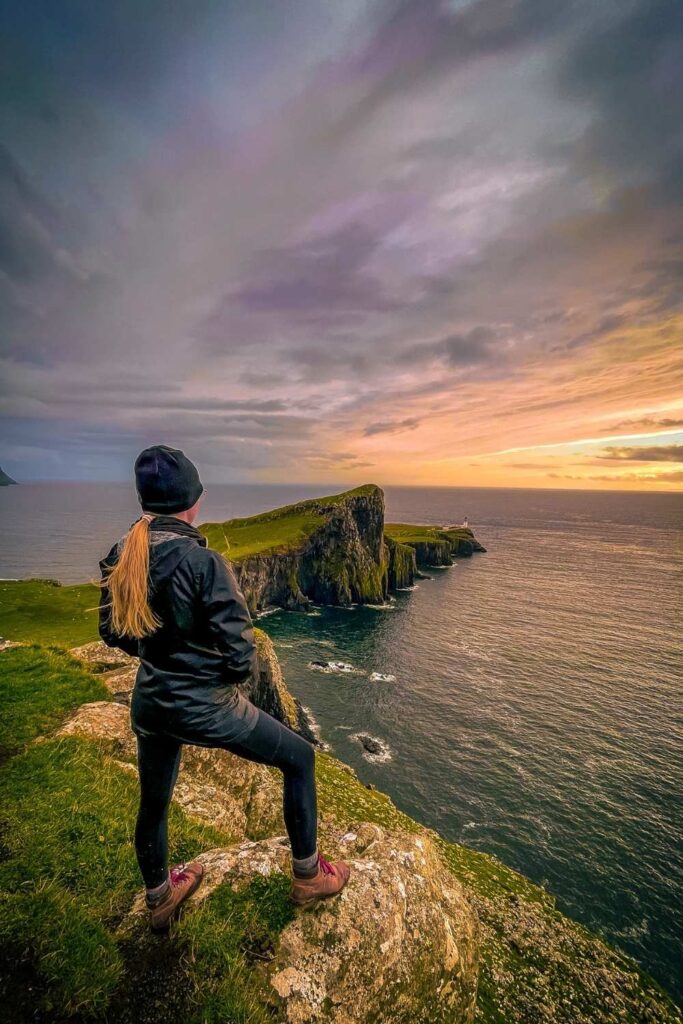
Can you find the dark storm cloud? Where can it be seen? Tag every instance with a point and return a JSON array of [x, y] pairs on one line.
[[28, 225], [652, 453], [422, 39]]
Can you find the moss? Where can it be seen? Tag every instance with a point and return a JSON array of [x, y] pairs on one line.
[[38, 687]]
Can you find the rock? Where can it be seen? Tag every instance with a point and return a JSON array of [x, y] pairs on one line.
[[398, 945], [103, 720], [267, 689], [102, 658], [6, 644], [241, 796], [372, 745], [402, 563]]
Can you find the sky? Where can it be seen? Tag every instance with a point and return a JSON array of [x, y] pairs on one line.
[[406, 242]]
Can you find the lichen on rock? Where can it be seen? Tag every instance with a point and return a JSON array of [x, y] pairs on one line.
[[398, 944]]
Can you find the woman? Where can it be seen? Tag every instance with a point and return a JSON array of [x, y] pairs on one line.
[[175, 604]]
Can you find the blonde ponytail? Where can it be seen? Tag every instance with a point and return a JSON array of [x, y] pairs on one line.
[[127, 581]]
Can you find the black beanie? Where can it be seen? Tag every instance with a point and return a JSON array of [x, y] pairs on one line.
[[166, 480]]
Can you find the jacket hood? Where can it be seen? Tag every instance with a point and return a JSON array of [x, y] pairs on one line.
[[170, 539]]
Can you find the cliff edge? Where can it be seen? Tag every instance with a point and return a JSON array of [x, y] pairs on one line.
[[426, 930]]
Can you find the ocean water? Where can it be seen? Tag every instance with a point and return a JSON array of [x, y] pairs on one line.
[[536, 706]]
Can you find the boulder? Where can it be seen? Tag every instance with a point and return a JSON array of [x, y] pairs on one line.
[[398, 945]]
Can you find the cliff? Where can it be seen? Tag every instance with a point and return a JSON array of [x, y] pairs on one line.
[[333, 550], [5, 480], [433, 545], [426, 930]]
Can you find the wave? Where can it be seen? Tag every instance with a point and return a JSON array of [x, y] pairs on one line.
[[374, 748], [333, 666], [315, 728]]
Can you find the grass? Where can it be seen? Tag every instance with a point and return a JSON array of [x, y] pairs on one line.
[[412, 533], [282, 529], [38, 687], [43, 611], [65, 885]]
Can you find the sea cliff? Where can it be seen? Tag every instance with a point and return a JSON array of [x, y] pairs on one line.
[[333, 550]]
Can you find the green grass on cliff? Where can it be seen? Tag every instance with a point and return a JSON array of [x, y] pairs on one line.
[[41, 611], [38, 687], [412, 533], [65, 885], [68, 875], [282, 529]]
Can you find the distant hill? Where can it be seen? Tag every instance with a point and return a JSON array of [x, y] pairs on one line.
[[5, 480]]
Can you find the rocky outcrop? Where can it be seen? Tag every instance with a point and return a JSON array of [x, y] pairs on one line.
[[433, 552], [463, 542], [399, 945], [332, 550], [426, 930], [5, 480], [341, 559], [433, 545], [266, 688]]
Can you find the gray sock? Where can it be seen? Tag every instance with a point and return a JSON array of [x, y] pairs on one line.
[[158, 893], [305, 867]]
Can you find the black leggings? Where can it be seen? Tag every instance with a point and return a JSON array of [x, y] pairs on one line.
[[269, 742]]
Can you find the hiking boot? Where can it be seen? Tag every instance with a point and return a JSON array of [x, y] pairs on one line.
[[329, 880], [183, 879]]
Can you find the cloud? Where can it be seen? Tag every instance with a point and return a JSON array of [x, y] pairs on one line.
[[653, 453], [623, 478], [324, 229], [391, 426], [652, 423]]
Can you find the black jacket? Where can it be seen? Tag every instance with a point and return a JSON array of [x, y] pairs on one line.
[[190, 667]]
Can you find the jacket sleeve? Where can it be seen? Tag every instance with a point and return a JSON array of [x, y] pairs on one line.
[[227, 617], [128, 644]]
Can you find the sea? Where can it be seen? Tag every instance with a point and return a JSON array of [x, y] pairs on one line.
[[526, 702]]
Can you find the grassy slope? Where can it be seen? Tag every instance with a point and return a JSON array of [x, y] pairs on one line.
[[281, 529], [413, 533], [65, 885], [38, 611]]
